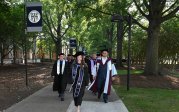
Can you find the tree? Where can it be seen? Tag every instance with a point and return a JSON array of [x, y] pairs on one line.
[[155, 12], [169, 42], [102, 12], [56, 16], [138, 45], [45, 45], [16, 25], [4, 38]]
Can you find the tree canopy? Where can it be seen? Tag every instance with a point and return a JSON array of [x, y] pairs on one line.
[[155, 25]]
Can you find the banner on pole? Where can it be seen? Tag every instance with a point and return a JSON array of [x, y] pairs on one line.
[[72, 43], [34, 16]]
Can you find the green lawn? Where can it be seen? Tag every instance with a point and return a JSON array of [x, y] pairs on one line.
[[124, 72], [175, 73], [149, 99]]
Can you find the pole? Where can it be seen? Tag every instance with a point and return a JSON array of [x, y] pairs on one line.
[[118, 47], [25, 37], [128, 62]]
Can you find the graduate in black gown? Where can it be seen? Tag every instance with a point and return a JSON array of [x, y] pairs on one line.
[[81, 79], [59, 72], [69, 65]]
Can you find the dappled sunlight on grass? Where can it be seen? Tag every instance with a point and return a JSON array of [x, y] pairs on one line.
[[124, 72]]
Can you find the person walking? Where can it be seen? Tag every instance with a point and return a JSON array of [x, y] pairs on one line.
[[103, 76], [81, 79], [59, 71]]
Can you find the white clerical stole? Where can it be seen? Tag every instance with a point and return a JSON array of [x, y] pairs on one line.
[[58, 67], [96, 67], [104, 59]]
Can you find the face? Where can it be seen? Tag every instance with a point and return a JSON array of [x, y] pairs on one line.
[[61, 57], [69, 57], [79, 58], [104, 53], [94, 56]]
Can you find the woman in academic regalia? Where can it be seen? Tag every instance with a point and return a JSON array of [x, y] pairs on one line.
[[81, 79]]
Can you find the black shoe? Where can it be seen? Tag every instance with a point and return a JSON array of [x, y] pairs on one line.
[[99, 96], [62, 99], [105, 101], [94, 93], [59, 95]]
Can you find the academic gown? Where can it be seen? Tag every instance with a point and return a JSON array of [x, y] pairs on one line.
[[91, 64], [60, 80], [103, 73], [85, 80], [69, 72]]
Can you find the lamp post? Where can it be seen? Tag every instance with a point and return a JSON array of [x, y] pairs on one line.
[[25, 37], [119, 19], [129, 47]]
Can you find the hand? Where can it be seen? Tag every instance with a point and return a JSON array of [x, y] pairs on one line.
[[113, 78], [94, 78]]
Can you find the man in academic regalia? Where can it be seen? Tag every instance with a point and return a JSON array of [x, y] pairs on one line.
[[98, 56], [59, 72], [91, 65], [69, 65], [103, 76]]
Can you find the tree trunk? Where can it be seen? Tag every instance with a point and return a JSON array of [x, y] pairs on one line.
[[50, 53], [110, 39], [71, 51], [110, 48], [58, 46], [119, 43], [34, 50], [2, 60], [151, 67], [177, 58], [14, 53], [2, 55]]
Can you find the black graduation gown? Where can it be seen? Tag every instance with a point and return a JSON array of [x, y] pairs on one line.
[[69, 72], [60, 81], [78, 100]]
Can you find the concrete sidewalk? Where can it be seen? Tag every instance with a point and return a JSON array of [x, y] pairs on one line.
[[45, 100]]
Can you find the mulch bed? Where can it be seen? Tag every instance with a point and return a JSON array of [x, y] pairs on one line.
[[12, 82]]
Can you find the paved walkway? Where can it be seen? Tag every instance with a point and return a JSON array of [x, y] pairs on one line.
[[45, 100]]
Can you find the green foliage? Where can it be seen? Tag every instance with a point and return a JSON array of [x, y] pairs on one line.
[[138, 43], [169, 39], [45, 44], [89, 22]]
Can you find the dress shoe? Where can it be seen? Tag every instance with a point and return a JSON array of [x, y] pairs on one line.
[[62, 99]]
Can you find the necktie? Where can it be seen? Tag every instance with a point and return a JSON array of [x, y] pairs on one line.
[[94, 62], [61, 67]]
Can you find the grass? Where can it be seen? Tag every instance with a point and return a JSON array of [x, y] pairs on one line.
[[174, 73], [149, 99], [124, 72]]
